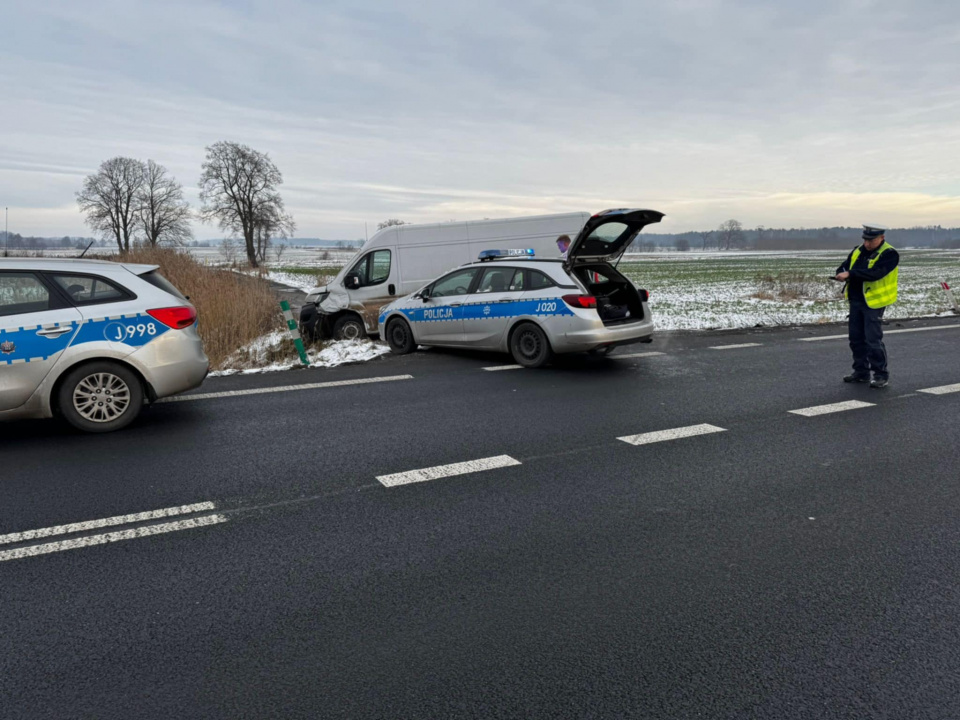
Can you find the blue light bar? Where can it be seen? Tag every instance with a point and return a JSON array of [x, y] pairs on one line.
[[490, 254]]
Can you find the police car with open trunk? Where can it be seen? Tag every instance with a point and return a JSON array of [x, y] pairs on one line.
[[511, 301]]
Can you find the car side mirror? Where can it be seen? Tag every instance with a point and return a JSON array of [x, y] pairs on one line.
[[425, 294], [351, 281]]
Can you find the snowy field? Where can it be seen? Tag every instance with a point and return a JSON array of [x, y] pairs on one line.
[[720, 290]]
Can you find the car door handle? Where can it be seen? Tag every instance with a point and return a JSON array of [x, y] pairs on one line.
[[54, 332]]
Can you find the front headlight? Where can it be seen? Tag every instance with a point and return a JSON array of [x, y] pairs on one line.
[[317, 298]]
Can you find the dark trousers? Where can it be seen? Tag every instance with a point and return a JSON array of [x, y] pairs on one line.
[[866, 340]]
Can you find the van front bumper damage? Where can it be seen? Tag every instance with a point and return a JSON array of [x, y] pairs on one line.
[[311, 321]]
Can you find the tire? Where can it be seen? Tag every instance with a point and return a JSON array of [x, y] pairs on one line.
[[400, 337], [349, 327], [100, 397], [529, 346]]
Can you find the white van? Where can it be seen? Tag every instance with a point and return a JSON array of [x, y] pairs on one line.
[[401, 259]]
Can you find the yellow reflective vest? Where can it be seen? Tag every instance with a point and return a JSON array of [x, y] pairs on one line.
[[878, 293]]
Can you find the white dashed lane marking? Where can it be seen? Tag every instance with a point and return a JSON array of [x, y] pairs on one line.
[[832, 408], [503, 367], [105, 522], [885, 332], [442, 471], [636, 355], [285, 388], [673, 434], [735, 347], [942, 390]]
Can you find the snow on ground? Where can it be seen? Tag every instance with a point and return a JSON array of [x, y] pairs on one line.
[[723, 290], [275, 351]]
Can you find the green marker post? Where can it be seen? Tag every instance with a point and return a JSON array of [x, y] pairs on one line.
[[294, 332]]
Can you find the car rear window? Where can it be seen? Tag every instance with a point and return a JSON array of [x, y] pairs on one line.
[[89, 290], [539, 281], [161, 283]]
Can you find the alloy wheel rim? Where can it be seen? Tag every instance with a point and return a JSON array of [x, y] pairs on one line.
[[351, 331], [101, 397]]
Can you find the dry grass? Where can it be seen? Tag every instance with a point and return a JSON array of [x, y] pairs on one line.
[[234, 309], [792, 286]]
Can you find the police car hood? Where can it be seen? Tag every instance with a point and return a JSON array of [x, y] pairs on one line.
[[608, 234]]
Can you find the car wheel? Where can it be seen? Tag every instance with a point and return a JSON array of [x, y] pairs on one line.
[[349, 327], [529, 346], [100, 397], [400, 337]]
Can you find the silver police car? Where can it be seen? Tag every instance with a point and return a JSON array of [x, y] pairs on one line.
[[532, 308], [92, 341]]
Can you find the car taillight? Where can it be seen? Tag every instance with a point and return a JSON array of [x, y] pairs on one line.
[[644, 295], [177, 318], [580, 301]]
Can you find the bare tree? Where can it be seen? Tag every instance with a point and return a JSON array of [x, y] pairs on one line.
[[270, 223], [683, 245], [390, 223], [730, 234], [228, 250], [109, 199], [238, 188], [164, 214], [278, 250], [705, 237]]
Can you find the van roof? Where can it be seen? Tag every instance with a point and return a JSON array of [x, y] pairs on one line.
[[484, 221]]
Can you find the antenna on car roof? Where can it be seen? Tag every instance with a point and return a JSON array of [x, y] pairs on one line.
[[87, 248]]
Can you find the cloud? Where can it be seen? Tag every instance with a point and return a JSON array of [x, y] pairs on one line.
[[814, 113]]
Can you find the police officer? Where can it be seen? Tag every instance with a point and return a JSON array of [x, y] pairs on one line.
[[870, 272]]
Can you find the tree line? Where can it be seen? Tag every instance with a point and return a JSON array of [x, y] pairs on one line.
[[135, 202], [731, 235]]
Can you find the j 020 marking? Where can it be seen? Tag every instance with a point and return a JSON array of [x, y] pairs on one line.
[[117, 332], [546, 307]]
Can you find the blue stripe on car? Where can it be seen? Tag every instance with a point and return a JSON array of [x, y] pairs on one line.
[[543, 307], [30, 347]]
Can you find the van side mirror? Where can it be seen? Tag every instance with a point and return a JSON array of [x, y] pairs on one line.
[[351, 281]]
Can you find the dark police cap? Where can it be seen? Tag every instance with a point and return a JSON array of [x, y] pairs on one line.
[[870, 232]]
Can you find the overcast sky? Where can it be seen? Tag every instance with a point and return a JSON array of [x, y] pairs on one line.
[[777, 113]]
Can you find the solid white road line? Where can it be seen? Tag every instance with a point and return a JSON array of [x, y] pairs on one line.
[[442, 471], [90, 540], [105, 522], [734, 347], [636, 355], [284, 388], [674, 434], [503, 367], [885, 332], [942, 390], [832, 408]]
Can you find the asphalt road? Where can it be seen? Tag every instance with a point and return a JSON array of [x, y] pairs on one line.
[[778, 566]]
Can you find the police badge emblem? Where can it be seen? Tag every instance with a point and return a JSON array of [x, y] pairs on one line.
[[7, 347]]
